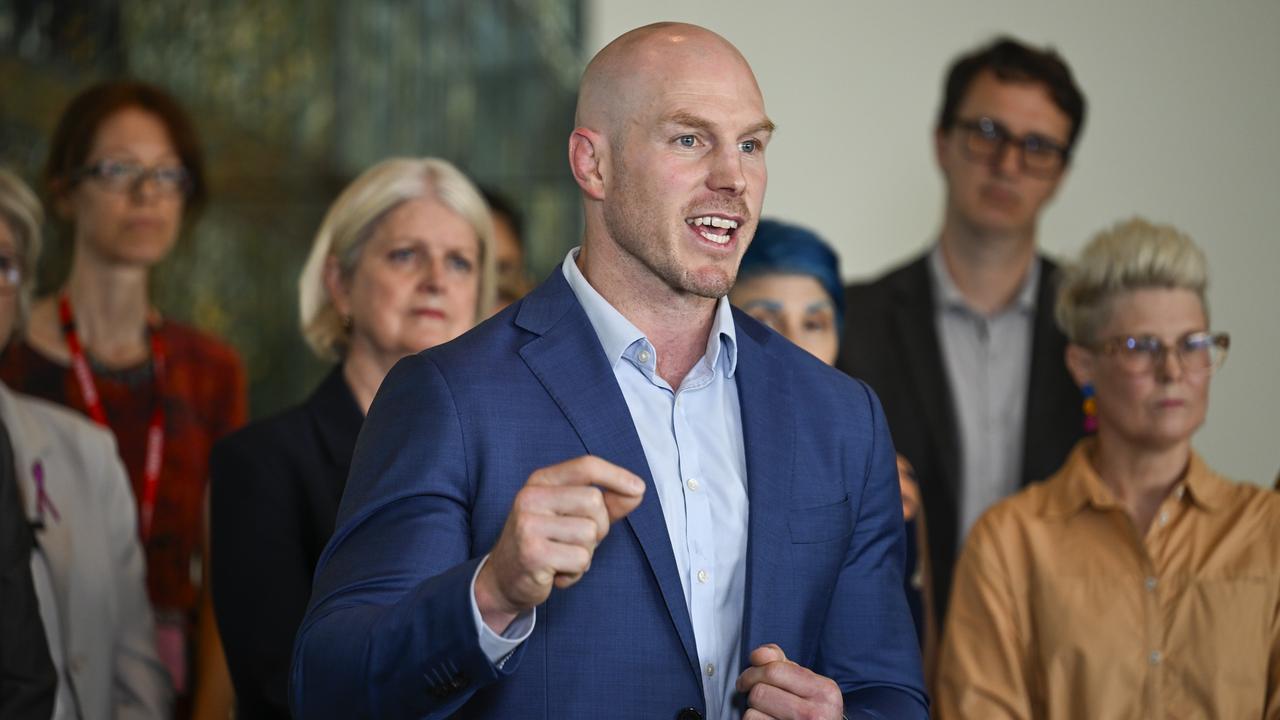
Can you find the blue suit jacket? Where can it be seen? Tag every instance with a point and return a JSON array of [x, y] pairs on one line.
[[453, 435]]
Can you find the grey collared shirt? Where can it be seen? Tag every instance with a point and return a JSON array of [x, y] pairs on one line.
[[988, 364]]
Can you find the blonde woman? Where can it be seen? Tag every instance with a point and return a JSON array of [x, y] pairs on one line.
[[1135, 582], [402, 262]]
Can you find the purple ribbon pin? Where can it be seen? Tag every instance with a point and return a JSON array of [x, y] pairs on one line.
[[42, 498]]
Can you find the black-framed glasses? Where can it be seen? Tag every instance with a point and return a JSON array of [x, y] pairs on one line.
[[122, 176], [1197, 351], [10, 272], [985, 139]]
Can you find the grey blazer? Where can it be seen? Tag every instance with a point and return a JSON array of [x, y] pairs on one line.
[[93, 599]]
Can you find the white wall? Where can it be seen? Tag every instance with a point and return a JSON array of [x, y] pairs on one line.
[[1183, 127]]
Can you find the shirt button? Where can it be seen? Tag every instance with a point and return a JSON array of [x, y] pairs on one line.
[[702, 576], [711, 669], [1151, 583], [693, 484], [1154, 658], [643, 357]]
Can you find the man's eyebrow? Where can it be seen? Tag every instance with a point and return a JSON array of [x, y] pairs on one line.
[[688, 119]]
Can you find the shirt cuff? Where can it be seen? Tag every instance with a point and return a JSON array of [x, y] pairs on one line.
[[499, 647]]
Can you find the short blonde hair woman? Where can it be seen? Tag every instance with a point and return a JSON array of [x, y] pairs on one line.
[[403, 261], [351, 221], [1135, 582]]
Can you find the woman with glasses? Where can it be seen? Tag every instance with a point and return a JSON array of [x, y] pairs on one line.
[[1135, 582], [79, 523], [403, 261], [124, 171]]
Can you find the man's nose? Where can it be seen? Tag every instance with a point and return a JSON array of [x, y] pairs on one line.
[[1007, 162], [726, 172]]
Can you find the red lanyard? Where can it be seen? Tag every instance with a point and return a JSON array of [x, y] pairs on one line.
[[155, 428]]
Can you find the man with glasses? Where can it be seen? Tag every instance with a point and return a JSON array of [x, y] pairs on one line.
[[960, 343]]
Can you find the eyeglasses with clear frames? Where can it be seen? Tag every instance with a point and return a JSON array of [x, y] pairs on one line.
[[121, 176], [985, 139], [1197, 351], [10, 273]]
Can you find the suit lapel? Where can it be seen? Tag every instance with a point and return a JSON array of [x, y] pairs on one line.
[[338, 418], [921, 353], [31, 455], [768, 436], [568, 360]]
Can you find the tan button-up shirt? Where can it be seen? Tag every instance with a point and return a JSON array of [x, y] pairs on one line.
[[1061, 610]]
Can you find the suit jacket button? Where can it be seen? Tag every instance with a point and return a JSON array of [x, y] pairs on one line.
[[689, 714]]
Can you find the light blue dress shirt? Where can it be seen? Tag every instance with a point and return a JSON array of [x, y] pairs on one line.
[[692, 441]]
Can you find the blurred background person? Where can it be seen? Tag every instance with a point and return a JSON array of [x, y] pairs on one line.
[[87, 563], [124, 170], [1135, 582], [508, 235], [789, 279], [28, 680], [959, 343], [402, 262]]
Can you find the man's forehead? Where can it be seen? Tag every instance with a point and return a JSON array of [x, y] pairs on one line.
[[1026, 104]]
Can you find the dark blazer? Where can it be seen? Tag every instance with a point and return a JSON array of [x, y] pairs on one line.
[[28, 682], [891, 342], [275, 489], [455, 432]]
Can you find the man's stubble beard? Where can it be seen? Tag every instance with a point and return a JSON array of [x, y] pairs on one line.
[[642, 237]]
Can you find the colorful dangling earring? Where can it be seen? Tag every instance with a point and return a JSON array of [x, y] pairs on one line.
[[1090, 406]]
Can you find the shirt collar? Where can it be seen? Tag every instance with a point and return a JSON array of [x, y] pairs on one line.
[[949, 296], [1077, 484], [617, 333]]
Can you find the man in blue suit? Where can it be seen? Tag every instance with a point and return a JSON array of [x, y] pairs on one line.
[[620, 498]]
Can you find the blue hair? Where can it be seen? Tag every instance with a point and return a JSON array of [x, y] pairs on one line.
[[780, 247]]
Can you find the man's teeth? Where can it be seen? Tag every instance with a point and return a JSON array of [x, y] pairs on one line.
[[717, 239], [713, 221]]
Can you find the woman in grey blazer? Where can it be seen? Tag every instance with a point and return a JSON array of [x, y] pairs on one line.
[[87, 564]]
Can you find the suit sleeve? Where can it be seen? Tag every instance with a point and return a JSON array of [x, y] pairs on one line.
[[389, 632], [869, 640], [257, 531], [982, 671], [140, 687]]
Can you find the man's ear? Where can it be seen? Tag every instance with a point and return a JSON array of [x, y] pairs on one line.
[[587, 159], [1079, 364], [336, 284]]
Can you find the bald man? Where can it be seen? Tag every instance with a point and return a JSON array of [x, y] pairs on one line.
[[620, 498]]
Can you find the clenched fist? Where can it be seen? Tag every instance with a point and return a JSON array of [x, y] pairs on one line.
[[557, 520]]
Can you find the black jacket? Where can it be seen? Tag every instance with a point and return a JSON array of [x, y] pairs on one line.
[[28, 681], [276, 484], [891, 342]]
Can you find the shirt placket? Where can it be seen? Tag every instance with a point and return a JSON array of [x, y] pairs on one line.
[[700, 540], [1157, 625]]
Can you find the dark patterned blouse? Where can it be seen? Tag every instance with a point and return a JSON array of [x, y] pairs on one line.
[[204, 398]]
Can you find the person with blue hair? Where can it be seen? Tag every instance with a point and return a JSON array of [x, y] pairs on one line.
[[790, 280]]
